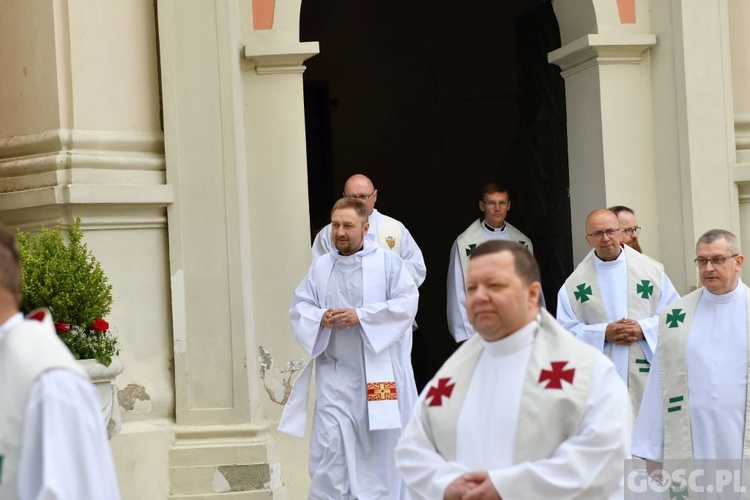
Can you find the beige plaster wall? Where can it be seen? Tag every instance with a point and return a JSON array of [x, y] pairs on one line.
[[667, 143], [29, 93], [739, 19], [279, 216], [80, 136]]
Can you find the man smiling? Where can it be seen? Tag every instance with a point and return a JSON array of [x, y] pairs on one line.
[[353, 314], [387, 231]]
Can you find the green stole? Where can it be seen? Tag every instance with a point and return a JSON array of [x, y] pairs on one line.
[[644, 291], [675, 324], [541, 402]]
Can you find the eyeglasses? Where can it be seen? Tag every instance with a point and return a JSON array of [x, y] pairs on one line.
[[715, 261], [599, 234], [631, 230], [493, 204], [362, 197]]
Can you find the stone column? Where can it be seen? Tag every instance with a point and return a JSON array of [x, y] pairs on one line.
[[653, 126], [80, 135], [739, 39], [239, 244], [608, 96]]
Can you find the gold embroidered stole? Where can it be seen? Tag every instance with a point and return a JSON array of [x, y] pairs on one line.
[[389, 234]]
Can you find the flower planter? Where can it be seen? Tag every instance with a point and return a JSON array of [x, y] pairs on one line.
[[103, 379]]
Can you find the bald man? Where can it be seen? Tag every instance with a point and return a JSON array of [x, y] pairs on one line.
[[387, 231], [612, 301]]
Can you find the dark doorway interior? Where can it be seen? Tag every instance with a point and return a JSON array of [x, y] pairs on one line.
[[433, 100]]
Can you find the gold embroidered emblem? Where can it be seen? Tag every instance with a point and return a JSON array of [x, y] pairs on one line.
[[390, 241], [381, 391]]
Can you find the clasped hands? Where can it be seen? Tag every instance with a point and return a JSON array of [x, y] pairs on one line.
[[623, 332], [339, 318], [472, 486]]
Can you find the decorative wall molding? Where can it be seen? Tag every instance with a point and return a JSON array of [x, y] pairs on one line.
[[592, 50], [117, 178], [279, 58], [56, 140]]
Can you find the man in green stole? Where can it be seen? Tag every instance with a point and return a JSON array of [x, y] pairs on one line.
[[494, 203], [612, 300], [521, 410], [695, 405]]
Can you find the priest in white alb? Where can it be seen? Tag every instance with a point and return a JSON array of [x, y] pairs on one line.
[[521, 410], [390, 233], [494, 203], [53, 441], [353, 314], [695, 405], [612, 301]]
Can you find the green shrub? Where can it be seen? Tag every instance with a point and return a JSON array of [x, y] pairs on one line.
[[68, 280]]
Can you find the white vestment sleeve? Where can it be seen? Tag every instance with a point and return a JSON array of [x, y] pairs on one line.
[[648, 433], [426, 473], [412, 257], [385, 323], [305, 315], [458, 321], [65, 453], [650, 326], [591, 334], [587, 464]]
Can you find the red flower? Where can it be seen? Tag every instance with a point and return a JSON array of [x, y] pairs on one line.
[[62, 327], [100, 325]]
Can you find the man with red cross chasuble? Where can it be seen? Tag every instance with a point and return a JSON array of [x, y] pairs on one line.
[[521, 410]]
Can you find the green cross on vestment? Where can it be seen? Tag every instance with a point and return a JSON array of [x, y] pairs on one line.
[[582, 292], [675, 318], [470, 249], [679, 491], [645, 288]]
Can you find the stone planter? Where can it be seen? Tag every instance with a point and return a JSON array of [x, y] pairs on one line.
[[103, 379]]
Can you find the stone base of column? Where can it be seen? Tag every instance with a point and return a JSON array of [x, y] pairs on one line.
[[224, 462]]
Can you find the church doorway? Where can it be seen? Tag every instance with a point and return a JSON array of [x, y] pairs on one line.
[[432, 101]]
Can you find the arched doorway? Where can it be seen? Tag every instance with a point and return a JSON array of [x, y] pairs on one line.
[[432, 102]]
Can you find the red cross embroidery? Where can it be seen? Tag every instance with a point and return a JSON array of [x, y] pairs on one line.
[[557, 375], [441, 389]]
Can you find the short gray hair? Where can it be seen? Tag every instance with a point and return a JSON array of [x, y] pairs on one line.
[[716, 234]]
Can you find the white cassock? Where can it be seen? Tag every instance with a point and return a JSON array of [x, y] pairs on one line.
[[717, 381], [347, 460], [458, 322], [487, 425], [65, 453], [613, 281], [410, 252]]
